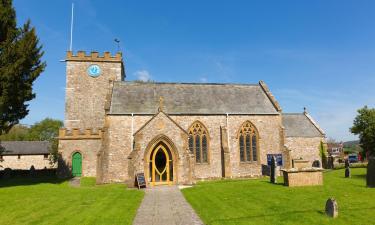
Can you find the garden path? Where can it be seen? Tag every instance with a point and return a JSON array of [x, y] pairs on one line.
[[165, 205]]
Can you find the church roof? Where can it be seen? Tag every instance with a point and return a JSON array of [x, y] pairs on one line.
[[192, 98], [300, 125], [25, 147]]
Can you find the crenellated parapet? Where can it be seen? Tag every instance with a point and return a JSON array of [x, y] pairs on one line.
[[93, 57], [78, 134]]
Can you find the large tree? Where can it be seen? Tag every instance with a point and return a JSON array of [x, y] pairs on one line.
[[364, 126], [20, 65]]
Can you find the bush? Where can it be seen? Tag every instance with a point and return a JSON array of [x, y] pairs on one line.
[[352, 165]]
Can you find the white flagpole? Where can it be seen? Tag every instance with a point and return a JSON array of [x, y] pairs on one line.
[[71, 29]]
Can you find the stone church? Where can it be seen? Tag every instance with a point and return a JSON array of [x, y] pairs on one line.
[[174, 133]]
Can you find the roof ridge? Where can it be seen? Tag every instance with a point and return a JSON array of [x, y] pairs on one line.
[[187, 83]]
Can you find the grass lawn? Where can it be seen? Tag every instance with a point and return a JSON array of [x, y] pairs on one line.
[[259, 202], [52, 201]]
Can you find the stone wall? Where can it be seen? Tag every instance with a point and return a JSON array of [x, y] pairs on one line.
[[85, 96], [88, 149], [306, 148], [25, 162], [117, 144], [270, 142]]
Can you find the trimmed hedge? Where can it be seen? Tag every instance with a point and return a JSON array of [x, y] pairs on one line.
[[352, 165]]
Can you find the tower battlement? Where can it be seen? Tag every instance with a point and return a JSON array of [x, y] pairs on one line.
[[76, 133], [93, 57]]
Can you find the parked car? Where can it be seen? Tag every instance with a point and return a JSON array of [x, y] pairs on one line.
[[353, 158]]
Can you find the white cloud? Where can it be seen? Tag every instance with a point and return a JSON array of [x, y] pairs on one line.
[[143, 75], [203, 80]]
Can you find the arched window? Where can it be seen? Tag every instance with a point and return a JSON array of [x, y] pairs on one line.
[[248, 142], [198, 142]]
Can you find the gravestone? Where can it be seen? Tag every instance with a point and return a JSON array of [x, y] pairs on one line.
[[347, 168], [332, 209], [370, 177], [273, 170], [330, 162], [316, 163], [7, 173], [32, 172]]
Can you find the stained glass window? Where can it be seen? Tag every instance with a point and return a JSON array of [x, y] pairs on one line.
[[248, 142], [198, 142]]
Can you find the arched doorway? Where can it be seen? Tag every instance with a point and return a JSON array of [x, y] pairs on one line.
[[77, 164], [161, 165]]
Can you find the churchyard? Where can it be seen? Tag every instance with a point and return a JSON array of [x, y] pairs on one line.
[[247, 201], [53, 201], [259, 202]]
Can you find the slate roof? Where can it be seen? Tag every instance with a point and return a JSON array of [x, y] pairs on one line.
[[300, 125], [190, 98], [25, 147]]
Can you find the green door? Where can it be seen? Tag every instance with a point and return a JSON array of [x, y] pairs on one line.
[[77, 164]]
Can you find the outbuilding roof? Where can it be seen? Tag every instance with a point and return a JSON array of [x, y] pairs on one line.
[[192, 98], [25, 147], [300, 125]]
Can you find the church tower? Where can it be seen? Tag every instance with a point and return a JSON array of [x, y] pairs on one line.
[[89, 80]]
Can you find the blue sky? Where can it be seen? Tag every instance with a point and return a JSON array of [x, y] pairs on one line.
[[318, 54]]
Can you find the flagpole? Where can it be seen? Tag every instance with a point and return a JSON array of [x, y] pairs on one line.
[[71, 29]]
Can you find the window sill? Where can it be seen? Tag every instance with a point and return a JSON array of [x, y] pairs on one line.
[[203, 163], [249, 162]]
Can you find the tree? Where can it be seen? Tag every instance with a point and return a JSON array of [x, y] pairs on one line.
[[18, 132], [364, 126], [46, 130], [20, 65]]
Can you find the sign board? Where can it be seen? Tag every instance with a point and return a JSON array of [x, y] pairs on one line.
[[278, 157], [141, 181]]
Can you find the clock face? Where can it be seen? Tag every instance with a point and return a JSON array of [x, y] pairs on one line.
[[94, 70]]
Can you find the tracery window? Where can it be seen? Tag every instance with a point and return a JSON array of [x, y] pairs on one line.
[[198, 142], [248, 142]]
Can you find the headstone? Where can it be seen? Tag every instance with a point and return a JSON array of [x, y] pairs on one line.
[[347, 168], [32, 172], [330, 162], [7, 173], [316, 163], [273, 170], [370, 177], [332, 209]]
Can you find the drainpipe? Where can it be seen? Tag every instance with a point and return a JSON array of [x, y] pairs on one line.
[[131, 134], [228, 131]]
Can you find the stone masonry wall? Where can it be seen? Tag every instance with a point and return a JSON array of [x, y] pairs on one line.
[[118, 146], [270, 142], [25, 162], [85, 95], [88, 149], [306, 148], [269, 126]]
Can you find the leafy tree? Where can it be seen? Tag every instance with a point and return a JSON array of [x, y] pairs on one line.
[[20, 65], [16, 133], [46, 130], [323, 154], [364, 126]]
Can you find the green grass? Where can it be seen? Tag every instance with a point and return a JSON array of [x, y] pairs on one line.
[[259, 202], [52, 201]]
